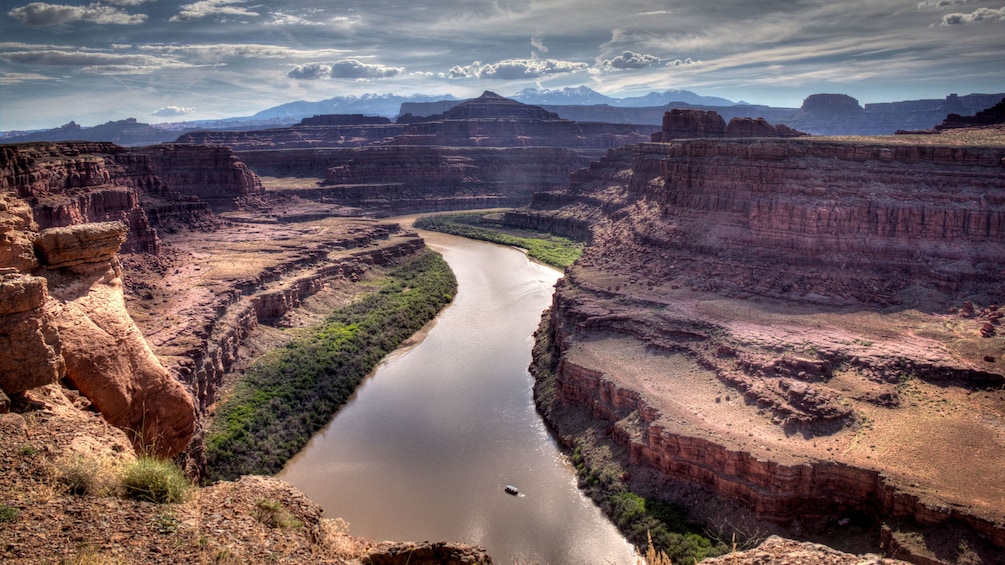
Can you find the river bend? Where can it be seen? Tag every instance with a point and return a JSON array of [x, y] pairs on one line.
[[427, 444]]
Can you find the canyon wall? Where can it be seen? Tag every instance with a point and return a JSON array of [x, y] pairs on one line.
[[750, 312], [790, 218], [392, 180], [68, 208], [76, 182], [214, 174]]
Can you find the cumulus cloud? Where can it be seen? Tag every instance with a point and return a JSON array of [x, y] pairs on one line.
[[43, 14], [205, 8], [629, 60], [172, 111], [346, 68], [978, 15], [682, 63], [515, 69]]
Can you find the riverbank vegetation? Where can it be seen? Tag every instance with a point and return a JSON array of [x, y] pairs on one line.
[[547, 248], [648, 523], [289, 394]]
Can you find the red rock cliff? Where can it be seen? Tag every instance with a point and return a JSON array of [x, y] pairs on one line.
[[750, 313]]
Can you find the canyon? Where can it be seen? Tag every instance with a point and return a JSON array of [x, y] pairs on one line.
[[806, 328]]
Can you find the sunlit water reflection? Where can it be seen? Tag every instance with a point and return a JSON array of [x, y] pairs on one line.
[[425, 448]]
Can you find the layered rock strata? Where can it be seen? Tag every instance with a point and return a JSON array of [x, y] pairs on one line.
[[785, 323], [73, 183], [393, 180], [71, 322], [214, 174], [683, 123]]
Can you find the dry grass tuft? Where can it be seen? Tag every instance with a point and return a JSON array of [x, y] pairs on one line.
[[81, 475]]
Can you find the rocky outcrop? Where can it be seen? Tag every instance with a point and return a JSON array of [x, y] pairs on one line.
[[17, 232], [106, 356], [74, 183], [780, 550], [213, 174], [29, 343], [683, 124], [76, 245], [428, 553]]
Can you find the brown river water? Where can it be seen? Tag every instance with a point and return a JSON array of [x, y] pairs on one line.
[[427, 445]]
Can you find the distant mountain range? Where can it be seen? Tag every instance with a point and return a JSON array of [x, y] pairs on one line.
[[387, 105], [586, 96], [579, 104]]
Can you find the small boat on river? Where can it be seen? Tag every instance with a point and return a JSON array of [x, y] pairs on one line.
[[510, 489]]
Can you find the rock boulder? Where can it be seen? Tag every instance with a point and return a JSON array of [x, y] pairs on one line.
[[85, 243], [109, 361], [29, 344]]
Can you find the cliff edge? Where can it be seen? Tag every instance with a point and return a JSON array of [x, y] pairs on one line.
[[807, 328]]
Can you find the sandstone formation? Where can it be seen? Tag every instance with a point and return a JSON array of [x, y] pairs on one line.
[[679, 123], [84, 243], [214, 174], [29, 345], [74, 183], [428, 553], [988, 117], [106, 356], [779, 322]]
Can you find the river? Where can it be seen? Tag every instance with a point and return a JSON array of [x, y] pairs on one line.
[[426, 446]]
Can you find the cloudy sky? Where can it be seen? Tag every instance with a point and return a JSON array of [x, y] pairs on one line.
[[162, 60]]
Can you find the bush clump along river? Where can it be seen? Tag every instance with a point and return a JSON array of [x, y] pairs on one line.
[[291, 393]]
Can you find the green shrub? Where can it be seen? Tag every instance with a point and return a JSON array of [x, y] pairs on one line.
[[8, 513], [155, 480]]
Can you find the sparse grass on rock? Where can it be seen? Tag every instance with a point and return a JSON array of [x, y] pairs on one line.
[[273, 515], [83, 475], [8, 514], [155, 480]]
